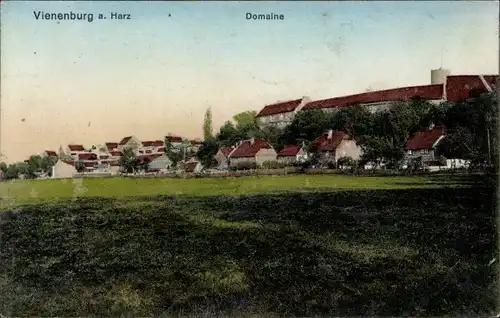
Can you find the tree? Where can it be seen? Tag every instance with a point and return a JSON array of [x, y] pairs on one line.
[[128, 161], [472, 128], [206, 153], [175, 155], [246, 118], [3, 167], [12, 172], [273, 135], [228, 134], [47, 163], [306, 125], [247, 125], [80, 166], [35, 162], [144, 164], [207, 125]]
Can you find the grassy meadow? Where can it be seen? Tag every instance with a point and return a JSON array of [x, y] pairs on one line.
[[38, 191], [251, 246]]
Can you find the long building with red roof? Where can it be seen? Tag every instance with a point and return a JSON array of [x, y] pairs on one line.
[[281, 113], [443, 87]]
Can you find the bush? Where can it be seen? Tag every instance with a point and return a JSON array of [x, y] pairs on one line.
[[245, 166], [273, 165]]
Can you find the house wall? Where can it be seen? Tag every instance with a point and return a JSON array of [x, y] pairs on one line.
[[222, 161], [426, 154], [114, 170], [279, 120], [233, 162], [301, 156], [264, 155], [162, 162], [198, 168], [63, 170], [348, 148], [377, 107]]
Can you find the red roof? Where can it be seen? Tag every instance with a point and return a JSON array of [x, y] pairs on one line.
[[427, 92], [281, 107], [69, 162], [115, 153], [249, 149], [76, 148], [289, 151], [323, 143], [111, 145], [148, 158], [463, 87], [226, 150], [125, 140], [174, 138], [155, 143], [190, 166], [425, 139], [50, 153], [87, 156]]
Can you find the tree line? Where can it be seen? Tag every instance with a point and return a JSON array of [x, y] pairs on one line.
[[472, 134], [472, 127]]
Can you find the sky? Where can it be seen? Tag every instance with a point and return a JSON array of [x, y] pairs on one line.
[[94, 82]]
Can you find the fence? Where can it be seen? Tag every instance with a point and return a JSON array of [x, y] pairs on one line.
[[279, 172]]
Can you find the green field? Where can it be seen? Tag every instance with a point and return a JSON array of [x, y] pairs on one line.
[[38, 191], [264, 246]]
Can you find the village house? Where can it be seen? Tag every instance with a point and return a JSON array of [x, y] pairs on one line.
[[73, 150], [63, 170], [193, 167], [161, 163], [111, 146], [129, 142], [334, 145], [176, 142], [253, 151], [222, 157], [281, 114], [90, 161], [114, 167], [150, 147], [49, 153], [422, 150], [291, 154]]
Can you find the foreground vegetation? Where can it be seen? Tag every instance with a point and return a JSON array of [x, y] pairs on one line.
[[16, 192], [367, 252]]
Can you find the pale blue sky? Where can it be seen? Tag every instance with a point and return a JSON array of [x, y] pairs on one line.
[[155, 74]]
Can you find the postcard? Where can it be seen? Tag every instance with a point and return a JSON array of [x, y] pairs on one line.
[[285, 158]]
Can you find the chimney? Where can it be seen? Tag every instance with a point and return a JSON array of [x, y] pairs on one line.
[[252, 140], [431, 126], [330, 134]]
